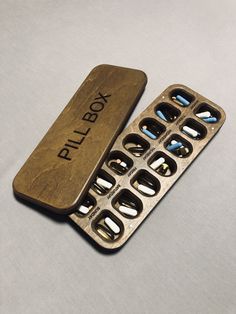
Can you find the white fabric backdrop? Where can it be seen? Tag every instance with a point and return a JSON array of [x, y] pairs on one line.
[[183, 258]]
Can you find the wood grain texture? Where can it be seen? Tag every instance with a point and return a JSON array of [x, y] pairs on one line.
[[128, 226], [61, 167]]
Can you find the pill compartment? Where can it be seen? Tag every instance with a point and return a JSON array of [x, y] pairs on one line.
[[193, 129], [103, 183], [119, 162], [178, 146], [207, 113], [162, 164], [127, 204], [181, 97], [151, 128], [135, 144], [87, 204], [145, 183], [167, 112], [108, 226]]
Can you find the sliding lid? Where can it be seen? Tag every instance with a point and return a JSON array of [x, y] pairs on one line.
[[60, 169]]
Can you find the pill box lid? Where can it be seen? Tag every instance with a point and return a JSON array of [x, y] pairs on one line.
[[61, 168]]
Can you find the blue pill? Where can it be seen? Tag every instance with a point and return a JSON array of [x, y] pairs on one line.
[[210, 120], [172, 147], [149, 134], [183, 101], [161, 115]]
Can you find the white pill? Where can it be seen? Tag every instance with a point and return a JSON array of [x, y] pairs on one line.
[[146, 190], [190, 131], [128, 211], [112, 225], [156, 164], [83, 209], [173, 142], [123, 164], [202, 115], [106, 184]]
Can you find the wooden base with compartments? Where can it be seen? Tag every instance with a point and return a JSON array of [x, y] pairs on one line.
[[145, 161]]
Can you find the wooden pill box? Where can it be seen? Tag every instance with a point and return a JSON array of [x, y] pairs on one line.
[[60, 169], [138, 163]]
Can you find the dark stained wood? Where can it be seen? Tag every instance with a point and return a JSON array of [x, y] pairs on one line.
[[128, 226], [60, 169]]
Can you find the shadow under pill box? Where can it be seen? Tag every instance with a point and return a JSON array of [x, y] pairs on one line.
[[144, 162]]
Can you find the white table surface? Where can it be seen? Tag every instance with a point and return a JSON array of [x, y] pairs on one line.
[[183, 258]]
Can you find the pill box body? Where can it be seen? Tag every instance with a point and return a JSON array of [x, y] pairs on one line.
[[63, 164], [106, 204]]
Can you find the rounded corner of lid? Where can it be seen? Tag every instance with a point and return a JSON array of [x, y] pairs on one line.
[[100, 66], [63, 209], [143, 76], [15, 185]]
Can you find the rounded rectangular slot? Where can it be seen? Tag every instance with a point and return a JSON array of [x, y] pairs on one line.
[[207, 113], [193, 129], [181, 97], [178, 146], [107, 226], [162, 164], [103, 183], [119, 162], [127, 204], [151, 128], [87, 204], [146, 183], [167, 112], [135, 144]]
